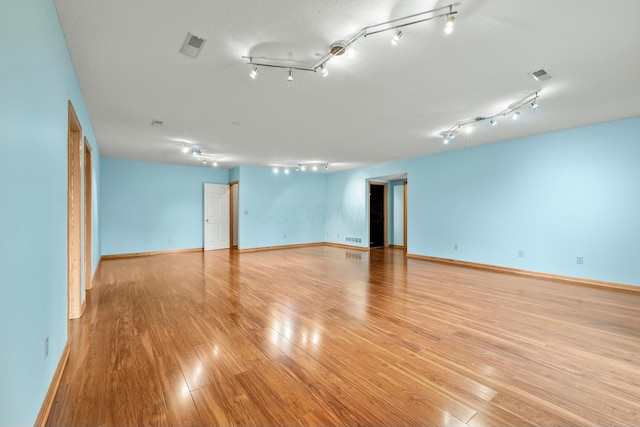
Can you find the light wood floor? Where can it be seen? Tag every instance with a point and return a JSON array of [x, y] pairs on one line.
[[327, 336]]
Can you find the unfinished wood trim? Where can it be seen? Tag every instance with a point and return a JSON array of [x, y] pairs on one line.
[[539, 275], [141, 254], [385, 208], [406, 204], [88, 166], [231, 221], [74, 215], [342, 246], [271, 248], [45, 409]]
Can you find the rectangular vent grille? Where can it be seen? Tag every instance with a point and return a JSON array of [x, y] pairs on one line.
[[192, 45], [353, 239], [540, 75], [157, 123]]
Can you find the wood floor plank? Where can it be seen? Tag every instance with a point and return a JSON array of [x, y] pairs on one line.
[[327, 337]]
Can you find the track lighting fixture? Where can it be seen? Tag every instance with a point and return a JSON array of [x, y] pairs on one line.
[[325, 72], [254, 73], [197, 153], [301, 167], [396, 38], [448, 27], [448, 135], [339, 47]]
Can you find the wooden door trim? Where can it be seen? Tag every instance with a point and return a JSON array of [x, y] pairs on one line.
[[231, 221], [88, 192], [74, 215], [406, 204]]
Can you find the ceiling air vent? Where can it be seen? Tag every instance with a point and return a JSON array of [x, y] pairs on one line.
[[540, 75], [157, 123], [192, 45]]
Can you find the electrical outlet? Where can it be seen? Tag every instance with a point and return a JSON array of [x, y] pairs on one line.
[[46, 347], [520, 253], [455, 247], [579, 260]]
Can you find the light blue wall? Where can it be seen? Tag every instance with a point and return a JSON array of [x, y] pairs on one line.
[[280, 209], [150, 207], [556, 197], [36, 81], [234, 174]]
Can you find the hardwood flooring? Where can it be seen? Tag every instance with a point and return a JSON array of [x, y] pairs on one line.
[[327, 336]]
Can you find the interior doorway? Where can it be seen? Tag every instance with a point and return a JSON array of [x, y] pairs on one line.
[[216, 216], [377, 215], [74, 215]]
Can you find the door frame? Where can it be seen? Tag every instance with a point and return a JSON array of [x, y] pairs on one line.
[[406, 204], [384, 210], [74, 215], [88, 171], [232, 221]]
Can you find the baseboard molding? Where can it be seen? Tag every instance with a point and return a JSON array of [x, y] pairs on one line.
[[141, 254], [272, 248], [396, 246], [350, 247], [43, 415], [537, 274]]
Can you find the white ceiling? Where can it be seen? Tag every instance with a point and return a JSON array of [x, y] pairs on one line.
[[387, 103]]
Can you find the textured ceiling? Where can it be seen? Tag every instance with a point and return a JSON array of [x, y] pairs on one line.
[[387, 103]]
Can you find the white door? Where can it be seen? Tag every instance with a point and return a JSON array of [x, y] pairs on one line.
[[216, 216]]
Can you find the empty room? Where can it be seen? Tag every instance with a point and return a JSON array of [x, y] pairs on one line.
[[320, 212]]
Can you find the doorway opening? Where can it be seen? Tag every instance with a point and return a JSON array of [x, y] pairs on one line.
[[378, 215], [74, 215], [388, 211]]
